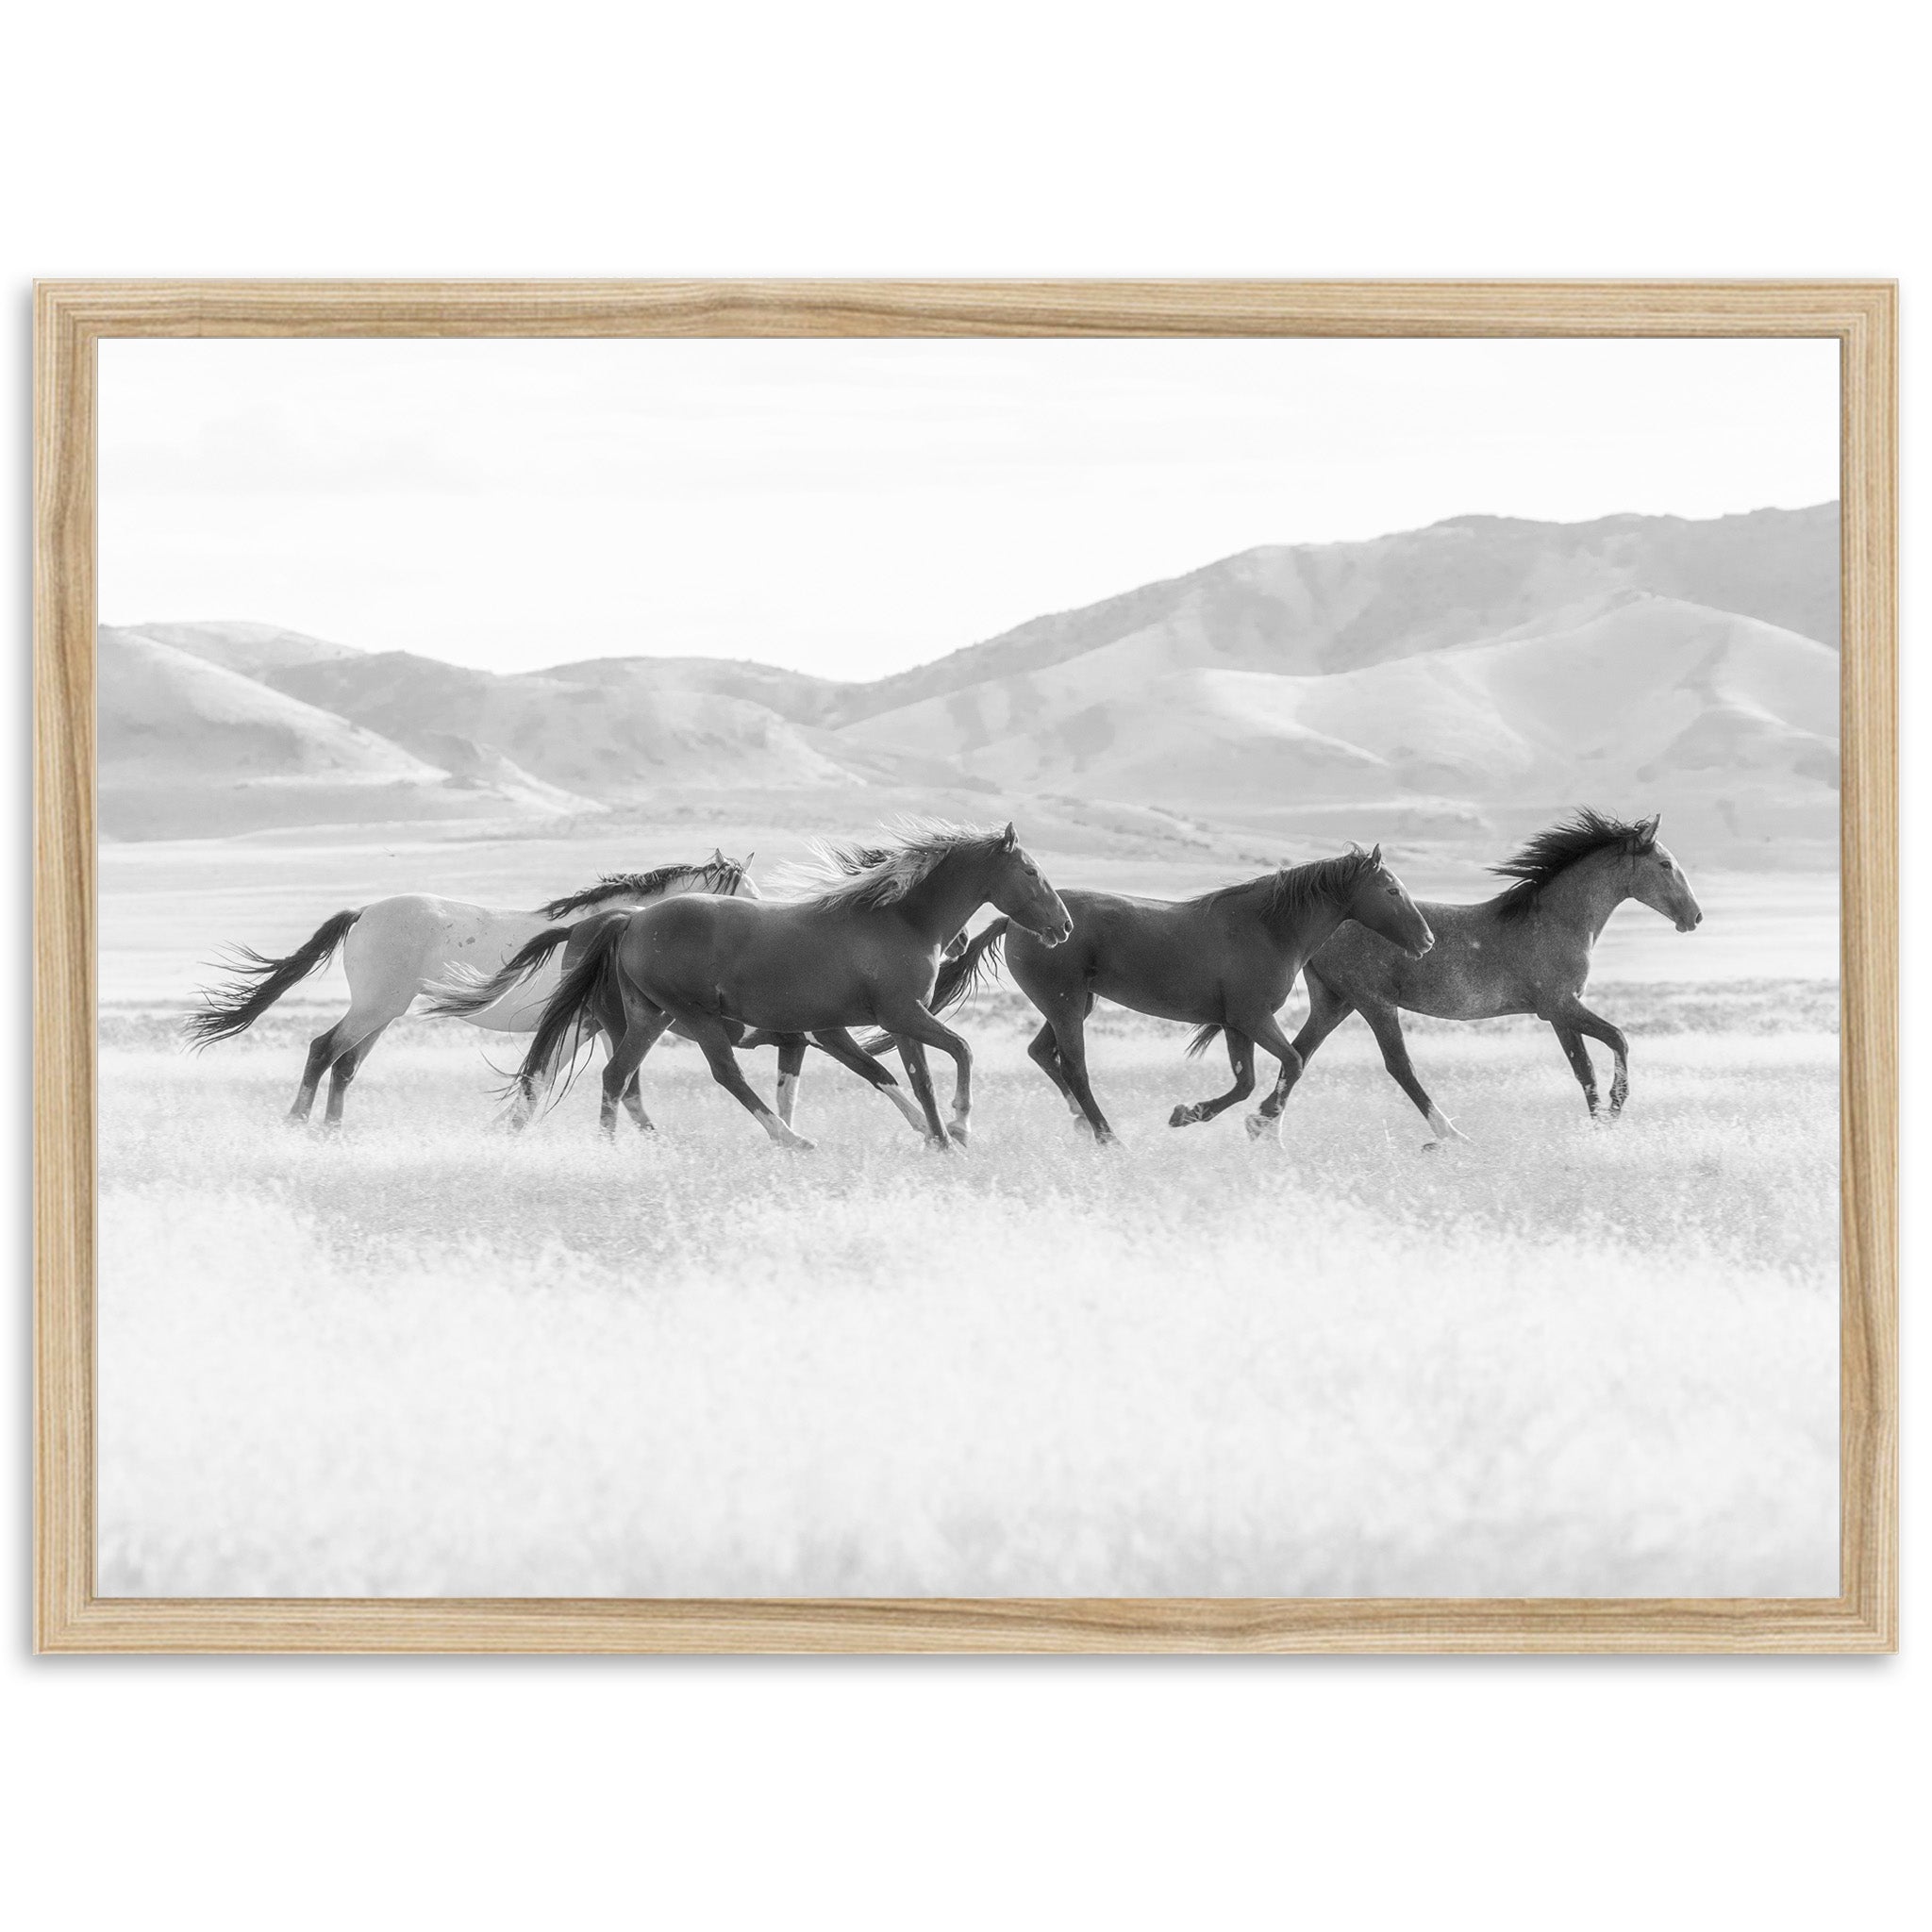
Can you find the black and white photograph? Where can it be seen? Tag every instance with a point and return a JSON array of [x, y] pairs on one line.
[[969, 968]]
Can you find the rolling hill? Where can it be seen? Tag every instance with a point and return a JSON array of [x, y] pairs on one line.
[[1729, 717], [190, 749], [1453, 685], [618, 735], [1310, 608], [256, 650]]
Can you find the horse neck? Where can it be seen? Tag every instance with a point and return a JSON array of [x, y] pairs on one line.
[[945, 898], [1315, 925], [1587, 893], [1303, 931]]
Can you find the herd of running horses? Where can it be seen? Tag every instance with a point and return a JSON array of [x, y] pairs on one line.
[[875, 936]]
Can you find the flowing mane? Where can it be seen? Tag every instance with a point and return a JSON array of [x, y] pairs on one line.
[[1291, 890], [1553, 852], [643, 885], [846, 873]]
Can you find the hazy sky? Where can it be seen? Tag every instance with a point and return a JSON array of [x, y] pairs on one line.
[[854, 507]]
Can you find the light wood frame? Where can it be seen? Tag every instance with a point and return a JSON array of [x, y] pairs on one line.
[[73, 316]]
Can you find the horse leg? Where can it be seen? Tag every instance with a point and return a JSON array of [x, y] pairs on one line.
[[1327, 1009], [1240, 1057], [349, 1038], [1584, 1020], [641, 1032], [840, 1044], [913, 1053], [1570, 1041], [383, 981], [1385, 1022], [1046, 1055], [322, 1053], [1070, 1036], [344, 1071], [918, 1024], [790, 1058], [614, 1023], [1264, 1029], [715, 1038], [634, 1106]]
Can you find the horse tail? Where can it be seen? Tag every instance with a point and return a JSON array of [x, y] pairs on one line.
[[465, 990], [960, 975], [1203, 1040], [259, 982], [571, 1001], [959, 980]]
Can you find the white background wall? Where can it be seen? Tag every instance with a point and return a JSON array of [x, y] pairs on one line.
[[388, 139]]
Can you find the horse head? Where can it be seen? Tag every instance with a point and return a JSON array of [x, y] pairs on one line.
[[731, 878], [1019, 889], [1657, 880], [1380, 901]]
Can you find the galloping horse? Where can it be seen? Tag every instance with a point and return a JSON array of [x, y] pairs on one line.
[[465, 992], [1225, 961], [864, 950], [396, 947], [1526, 951]]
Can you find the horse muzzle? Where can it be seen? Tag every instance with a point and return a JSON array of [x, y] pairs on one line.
[[1429, 942], [1058, 937], [1691, 921]]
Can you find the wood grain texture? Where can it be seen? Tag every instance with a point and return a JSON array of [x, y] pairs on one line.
[[71, 317]]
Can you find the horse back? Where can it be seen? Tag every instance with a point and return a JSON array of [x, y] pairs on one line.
[[1174, 959], [1480, 967], [792, 967]]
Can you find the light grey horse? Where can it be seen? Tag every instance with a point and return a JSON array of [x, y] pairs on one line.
[[393, 948]]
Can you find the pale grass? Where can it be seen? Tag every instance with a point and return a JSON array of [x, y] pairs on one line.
[[423, 1359]]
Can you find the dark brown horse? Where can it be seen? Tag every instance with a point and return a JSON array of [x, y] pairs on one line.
[[1224, 961], [863, 951], [460, 995], [1526, 951]]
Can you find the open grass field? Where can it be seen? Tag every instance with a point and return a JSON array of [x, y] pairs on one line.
[[423, 1359]]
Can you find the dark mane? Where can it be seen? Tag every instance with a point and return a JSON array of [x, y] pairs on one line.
[[634, 885], [1291, 891], [1553, 852]]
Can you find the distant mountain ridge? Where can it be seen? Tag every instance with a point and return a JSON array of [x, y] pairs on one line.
[[1438, 674], [253, 649], [1336, 606]]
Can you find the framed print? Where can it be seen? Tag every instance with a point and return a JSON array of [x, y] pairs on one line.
[[964, 966]]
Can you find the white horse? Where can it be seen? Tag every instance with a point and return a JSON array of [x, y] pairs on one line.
[[395, 947]]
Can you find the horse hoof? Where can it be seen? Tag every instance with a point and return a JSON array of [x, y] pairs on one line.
[[961, 1134], [1257, 1125], [798, 1144], [1182, 1117]]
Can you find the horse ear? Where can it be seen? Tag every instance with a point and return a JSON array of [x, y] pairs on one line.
[[717, 854], [1647, 827], [1375, 854], [1010, 839]]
